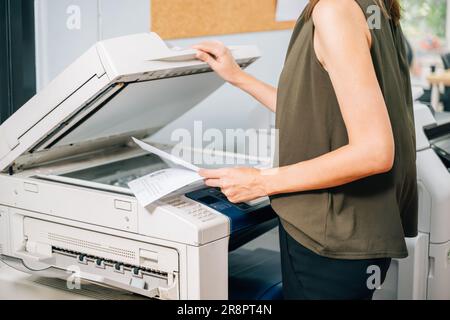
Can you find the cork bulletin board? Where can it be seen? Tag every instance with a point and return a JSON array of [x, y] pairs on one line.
[[173, 19]]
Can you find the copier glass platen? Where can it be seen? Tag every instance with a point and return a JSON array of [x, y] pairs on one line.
[[66, 157]]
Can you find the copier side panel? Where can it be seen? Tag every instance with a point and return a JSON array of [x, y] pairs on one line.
[[407, 278], [4, 231], [208, 271], [11, 229], [434, 177], [439, 275]]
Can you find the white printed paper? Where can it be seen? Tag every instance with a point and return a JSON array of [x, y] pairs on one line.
[[165, 155], [160, 184], [289, 10]]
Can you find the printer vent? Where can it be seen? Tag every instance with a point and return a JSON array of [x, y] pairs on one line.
[[57, 239]]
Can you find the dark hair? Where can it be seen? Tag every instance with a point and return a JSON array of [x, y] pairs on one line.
[[390, 8]]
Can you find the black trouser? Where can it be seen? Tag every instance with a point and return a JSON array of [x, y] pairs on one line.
[[308, 276]]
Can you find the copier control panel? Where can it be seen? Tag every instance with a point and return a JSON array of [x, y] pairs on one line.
[[192, 209], [242, 215]]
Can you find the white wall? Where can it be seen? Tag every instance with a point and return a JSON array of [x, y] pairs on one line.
[[65, 29], [60, 41]]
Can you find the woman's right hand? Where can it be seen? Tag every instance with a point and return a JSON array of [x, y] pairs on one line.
[[220, 59], [222, 62]]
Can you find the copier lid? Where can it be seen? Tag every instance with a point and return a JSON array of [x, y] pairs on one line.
[[120, 87]]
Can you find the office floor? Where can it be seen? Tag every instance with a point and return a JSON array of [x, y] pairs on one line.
[[267, 241]]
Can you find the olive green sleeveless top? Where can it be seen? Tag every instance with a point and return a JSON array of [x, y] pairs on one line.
[[368, 218]]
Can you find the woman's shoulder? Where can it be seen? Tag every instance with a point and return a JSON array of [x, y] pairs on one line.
[[327, 10], [334, 15]]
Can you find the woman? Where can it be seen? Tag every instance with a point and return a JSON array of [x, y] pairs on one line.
[[346, 190]]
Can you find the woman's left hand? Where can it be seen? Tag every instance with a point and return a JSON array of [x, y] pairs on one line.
[[238, 185]]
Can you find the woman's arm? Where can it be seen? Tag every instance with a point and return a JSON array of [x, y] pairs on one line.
[[221, 61], [342, 43]]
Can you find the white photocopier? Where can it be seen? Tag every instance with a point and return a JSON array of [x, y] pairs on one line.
[[425, 274], [66, 158]]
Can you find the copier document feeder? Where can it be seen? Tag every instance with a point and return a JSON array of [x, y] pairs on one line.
[[66, 157]]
